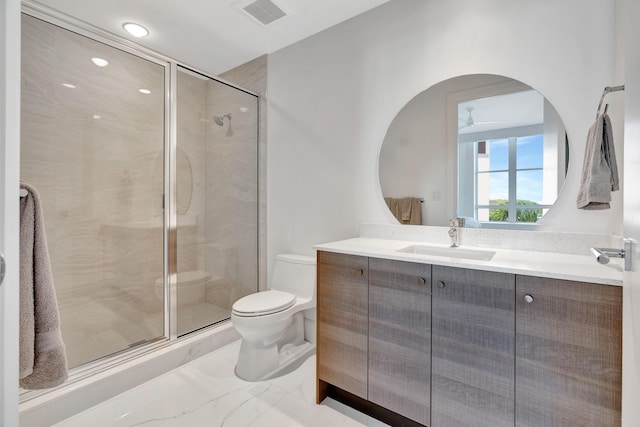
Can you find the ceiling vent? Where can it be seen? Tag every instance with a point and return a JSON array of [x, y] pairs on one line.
[[263, 11]]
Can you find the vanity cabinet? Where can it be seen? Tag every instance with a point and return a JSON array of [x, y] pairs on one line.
[[400, 337], [568, 353], [473, 339], [342, 322], [419, 344]]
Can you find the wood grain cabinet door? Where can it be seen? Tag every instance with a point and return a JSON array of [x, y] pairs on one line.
[[473, 348], [342, 321], [400, 337], [568, 353]]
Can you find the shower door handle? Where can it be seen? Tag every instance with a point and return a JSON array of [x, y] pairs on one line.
[[2, 267]]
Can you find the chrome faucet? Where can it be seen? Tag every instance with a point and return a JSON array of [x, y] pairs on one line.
[[454, 223]]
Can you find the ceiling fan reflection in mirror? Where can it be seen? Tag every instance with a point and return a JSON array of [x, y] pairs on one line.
[[469, 122]]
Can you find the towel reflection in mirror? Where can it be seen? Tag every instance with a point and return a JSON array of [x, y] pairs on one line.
[[407, 210]]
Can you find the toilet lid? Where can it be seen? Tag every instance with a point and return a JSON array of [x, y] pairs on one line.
[[263, 303]]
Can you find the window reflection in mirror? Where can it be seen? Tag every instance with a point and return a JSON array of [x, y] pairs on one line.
[[511, 168], [484, 147]]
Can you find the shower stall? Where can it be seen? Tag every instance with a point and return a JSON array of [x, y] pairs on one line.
[[148, 175]]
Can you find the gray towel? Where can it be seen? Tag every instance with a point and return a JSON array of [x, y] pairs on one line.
[[43, 360], [600, 169]]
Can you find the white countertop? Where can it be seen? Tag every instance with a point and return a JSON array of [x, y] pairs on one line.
[[530, 263]]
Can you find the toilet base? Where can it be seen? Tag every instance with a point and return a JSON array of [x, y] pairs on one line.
[[288, 360], [258, 361]]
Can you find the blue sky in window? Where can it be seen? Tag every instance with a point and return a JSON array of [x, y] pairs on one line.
[[529, 186], [498, 154], [529, 151], [529, 154]]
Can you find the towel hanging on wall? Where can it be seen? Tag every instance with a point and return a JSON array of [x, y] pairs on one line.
[[43, 360], [600, 169]]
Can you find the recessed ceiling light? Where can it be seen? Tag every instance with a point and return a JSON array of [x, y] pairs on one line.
[[100, 62], [243, 109], [69, 85], [145, 91], [136, 30], [97, 117]]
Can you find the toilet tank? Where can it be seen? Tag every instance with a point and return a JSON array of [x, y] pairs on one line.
[[295, 274]]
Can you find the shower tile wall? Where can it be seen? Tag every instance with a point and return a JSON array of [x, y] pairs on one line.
[[191, 163], [253, 76], [232, 187], [224, 196], [94, 152]]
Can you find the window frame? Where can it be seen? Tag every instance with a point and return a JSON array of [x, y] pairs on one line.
[[511, 135], [512, 200]]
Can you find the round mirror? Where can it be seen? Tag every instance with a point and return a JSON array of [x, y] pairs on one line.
[[482, 147]]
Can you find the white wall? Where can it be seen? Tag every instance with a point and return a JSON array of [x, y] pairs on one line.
[[333, 95], [629, 66]]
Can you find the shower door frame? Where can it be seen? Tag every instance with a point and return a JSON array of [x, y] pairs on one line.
[[170, 229], [9, 207]]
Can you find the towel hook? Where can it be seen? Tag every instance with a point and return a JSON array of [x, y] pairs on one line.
[[607, 90]]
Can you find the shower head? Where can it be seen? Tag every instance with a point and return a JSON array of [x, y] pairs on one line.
[[220, 119]]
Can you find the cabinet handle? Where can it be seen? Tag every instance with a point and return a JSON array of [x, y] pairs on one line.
[[360, 272], [441, 284], [528, 299], [422, 281]]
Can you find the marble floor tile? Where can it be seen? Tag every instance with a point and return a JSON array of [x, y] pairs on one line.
[[206, 392]]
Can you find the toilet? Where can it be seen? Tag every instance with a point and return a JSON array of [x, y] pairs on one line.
[[190, 287], [271, 323]]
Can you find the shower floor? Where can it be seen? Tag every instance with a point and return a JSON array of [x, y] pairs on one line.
[[102, 324], [206, 392]]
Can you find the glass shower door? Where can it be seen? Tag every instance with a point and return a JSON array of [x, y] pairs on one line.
[[93, 120], [95, 145], [217, 199]]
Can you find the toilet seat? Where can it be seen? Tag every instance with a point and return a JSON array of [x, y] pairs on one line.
[[263, 303]]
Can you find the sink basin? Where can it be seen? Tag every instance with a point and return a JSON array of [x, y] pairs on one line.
[[449, 252]]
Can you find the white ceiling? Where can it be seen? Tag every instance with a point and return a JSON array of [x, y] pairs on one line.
[[510, 110], [212, 35]]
